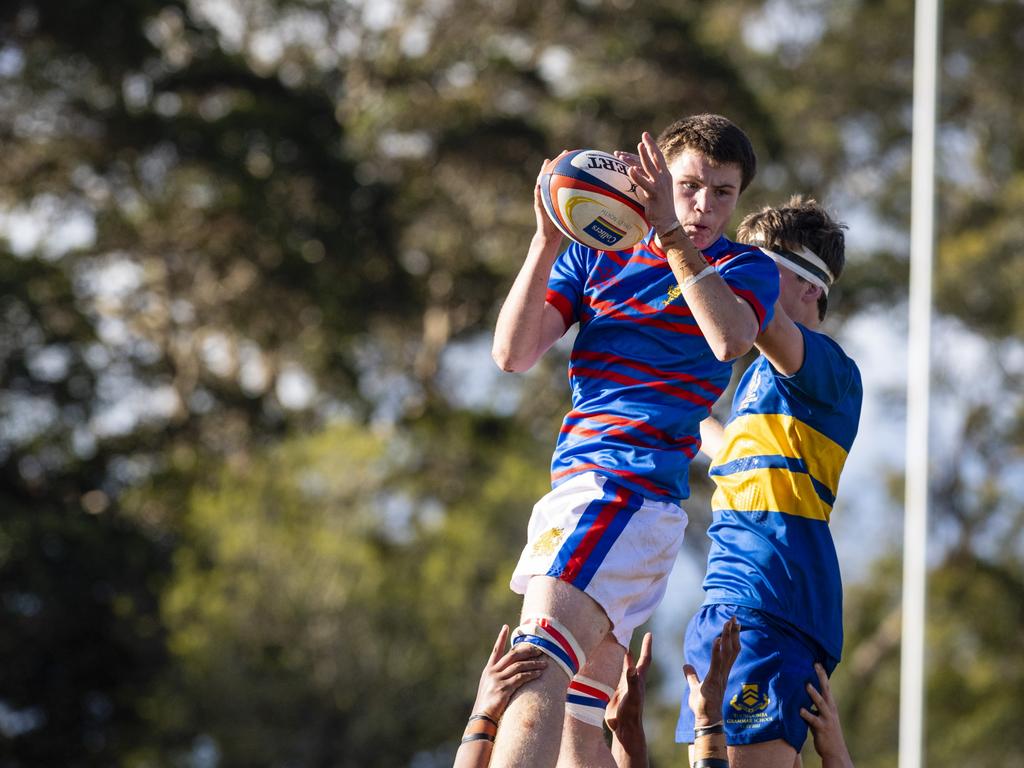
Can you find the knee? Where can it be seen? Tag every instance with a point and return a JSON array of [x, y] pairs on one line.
[[554, 639]]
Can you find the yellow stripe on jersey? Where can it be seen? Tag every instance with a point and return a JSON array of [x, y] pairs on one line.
[[746, 487], [770, 490]]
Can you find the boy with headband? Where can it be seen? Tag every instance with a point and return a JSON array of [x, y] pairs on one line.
[[772, 563]]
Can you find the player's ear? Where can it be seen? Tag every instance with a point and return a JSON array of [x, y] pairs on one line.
[[811, 293]]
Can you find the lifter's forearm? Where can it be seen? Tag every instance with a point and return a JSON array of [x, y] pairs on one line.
[[632, 753]]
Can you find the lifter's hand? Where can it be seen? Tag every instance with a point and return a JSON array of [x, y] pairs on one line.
[[546, 228], [828, 732], [504, 674], [626, 708], [625, 713], [707, 696]]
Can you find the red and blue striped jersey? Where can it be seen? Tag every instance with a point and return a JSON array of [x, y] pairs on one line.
[[641, 372], [783, 450]]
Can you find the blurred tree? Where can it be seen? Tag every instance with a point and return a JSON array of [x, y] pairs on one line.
[[332, 615], [146, 242], [974, 621]]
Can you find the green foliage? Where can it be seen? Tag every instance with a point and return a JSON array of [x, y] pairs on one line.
[[81, 636], [973, 677], [319, 609]]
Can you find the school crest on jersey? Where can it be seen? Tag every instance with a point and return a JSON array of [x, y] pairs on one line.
[[674, 292], [750, 699]]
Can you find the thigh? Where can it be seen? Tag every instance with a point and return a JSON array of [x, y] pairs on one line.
[[605, 663], [580, 613], [766, 754]]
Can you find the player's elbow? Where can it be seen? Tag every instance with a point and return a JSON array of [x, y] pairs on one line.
[[725, 354], [507, 361], [728, 348]]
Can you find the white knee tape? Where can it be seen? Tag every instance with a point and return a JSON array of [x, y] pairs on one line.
[[554, 639], [587, 700]]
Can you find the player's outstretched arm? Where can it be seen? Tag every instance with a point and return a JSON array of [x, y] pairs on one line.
[[625, 713], [527, 325], [782, 343], [502, 676], [825, 726], [707, 696], [728, 323]]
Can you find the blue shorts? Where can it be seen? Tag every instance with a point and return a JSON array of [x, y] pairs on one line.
[[767, 684]]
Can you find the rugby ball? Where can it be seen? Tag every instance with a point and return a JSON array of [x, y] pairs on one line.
[[589, 197]]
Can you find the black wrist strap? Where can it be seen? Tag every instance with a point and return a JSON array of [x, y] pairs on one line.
[[711, 762], [482, 716], [708, 730], [477, 737]]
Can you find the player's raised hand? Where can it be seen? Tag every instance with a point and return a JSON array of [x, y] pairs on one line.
[[545, 227], [654, 183], [626, 708], [625, 713], [627, 157], [505, 673], [707, 695], [825, 726]]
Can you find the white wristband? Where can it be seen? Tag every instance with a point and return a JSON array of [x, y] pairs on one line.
[[693, 280]]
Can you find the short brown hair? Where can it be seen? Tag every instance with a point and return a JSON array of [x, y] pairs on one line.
[[799, 222], [717, 138]]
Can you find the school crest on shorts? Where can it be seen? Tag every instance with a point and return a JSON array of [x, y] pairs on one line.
[[750, 700], [548, 542]]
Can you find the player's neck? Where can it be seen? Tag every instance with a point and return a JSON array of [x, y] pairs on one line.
[[811, 322]]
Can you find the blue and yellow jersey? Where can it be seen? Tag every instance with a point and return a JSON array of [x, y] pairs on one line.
[[642, 374], [777, 474]]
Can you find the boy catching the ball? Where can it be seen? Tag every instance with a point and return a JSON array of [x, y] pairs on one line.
[[772, 563], [659, 325]]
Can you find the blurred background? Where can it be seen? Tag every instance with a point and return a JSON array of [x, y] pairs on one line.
[[261, 487]]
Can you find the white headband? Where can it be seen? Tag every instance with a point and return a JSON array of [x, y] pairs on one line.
[[803, 262]]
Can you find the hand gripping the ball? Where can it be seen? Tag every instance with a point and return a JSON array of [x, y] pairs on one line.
[[546, 228], [648, 169]]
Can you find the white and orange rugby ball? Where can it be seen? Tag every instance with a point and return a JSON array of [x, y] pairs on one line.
[[589, 197]]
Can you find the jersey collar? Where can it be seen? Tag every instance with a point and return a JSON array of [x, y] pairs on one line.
[[717, 249]]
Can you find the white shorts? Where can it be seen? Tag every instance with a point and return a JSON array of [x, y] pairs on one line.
[[608, 541]]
